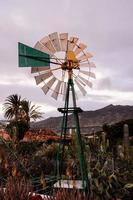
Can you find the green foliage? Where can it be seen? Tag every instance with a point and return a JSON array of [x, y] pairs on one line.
[[107, 182], [29, 111], [19, 112], [105, 185], [28, 148], [17, 129], [12, 107], [115, 131]]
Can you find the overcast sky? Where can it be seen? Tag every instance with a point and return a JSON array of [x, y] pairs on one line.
[[106, 26]]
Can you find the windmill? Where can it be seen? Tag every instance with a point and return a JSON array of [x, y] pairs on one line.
[[60, 64]]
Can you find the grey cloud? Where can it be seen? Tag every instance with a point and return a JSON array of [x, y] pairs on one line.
[[105, 26], [104, 83]]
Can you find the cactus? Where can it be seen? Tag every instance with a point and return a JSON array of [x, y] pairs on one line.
[[126, 141]]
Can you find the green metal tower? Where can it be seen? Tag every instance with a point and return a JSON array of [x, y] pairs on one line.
[[80, 151]]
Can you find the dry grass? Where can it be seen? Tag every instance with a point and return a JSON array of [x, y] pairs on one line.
[[17, 188]]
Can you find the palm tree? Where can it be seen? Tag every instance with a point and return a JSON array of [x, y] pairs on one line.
[[17, 109], [12, 107], [20, 112], [30, 111]]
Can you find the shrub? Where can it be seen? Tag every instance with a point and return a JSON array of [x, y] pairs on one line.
[[16, 188]]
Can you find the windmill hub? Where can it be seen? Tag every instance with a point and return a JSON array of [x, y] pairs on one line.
[[71, 62], [69, 65]]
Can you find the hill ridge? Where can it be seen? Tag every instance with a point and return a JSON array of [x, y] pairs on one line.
[[92, 119]]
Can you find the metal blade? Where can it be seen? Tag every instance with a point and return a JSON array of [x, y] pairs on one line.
[[51, 82], [55, 41], [81, 88], [63, 40], [56, 90], [48, 44], [42, 48], [43, 70], [91, 74], [85, 56], [88, 64], [40, 78], [76, 96], [85, 81], [80, 81], [64, 88], [80, 48], [92, 64], [45, 89], [72, 43], [39, 69], [48, 85]]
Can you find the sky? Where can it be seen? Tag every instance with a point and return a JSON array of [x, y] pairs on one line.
[[106, 27]]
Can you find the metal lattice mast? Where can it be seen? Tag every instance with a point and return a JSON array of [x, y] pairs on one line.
[[74, 110]]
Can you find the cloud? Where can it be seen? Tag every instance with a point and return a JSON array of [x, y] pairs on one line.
[[105, 26]]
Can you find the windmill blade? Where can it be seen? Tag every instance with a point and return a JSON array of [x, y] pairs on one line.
[[87, 82], [79, 80], [88, 64], [48, 85], [45, 89], [64, 89], [63, 75], [92, 64], [42, 48], [48, 44], [91, 74], [80, 48], [76, 96], [58, 60], [40, 78], [55, 41], [39, 69], [56, 90], [43, 69], [63, 40], [85, 56], [72, 43], [81, 88]]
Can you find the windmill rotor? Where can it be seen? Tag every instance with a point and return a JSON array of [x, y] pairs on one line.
[[75, 59]]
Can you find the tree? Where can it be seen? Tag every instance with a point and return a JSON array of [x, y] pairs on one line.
[[12, 107], [20, 112], [17, 129], [29, 111]]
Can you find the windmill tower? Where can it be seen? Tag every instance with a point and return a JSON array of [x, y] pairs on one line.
[[62, 67]]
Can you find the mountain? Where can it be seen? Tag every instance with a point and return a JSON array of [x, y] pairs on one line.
[[90, 120]]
